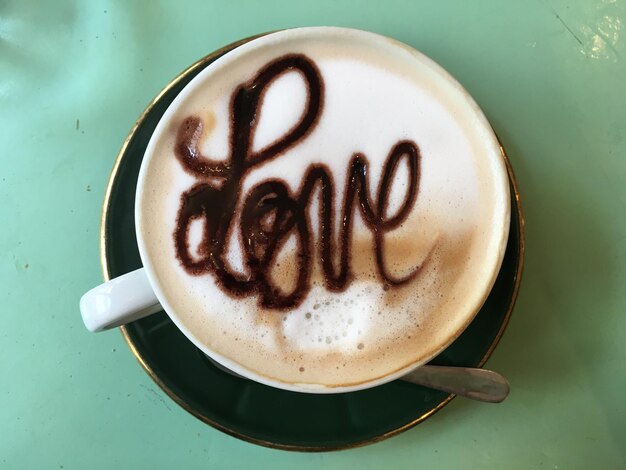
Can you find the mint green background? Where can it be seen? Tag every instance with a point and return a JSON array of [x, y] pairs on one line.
[[550, 75]]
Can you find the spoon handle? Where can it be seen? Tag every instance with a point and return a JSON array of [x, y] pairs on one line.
[[477, 384]]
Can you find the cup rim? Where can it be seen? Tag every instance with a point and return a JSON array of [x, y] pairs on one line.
[[502, 185]]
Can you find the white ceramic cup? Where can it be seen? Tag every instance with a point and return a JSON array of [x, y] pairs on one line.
[[137, 294]]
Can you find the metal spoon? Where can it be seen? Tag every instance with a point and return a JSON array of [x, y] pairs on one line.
[[477, 384]]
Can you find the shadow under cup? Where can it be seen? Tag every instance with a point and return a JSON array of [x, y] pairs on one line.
[[255, 412]]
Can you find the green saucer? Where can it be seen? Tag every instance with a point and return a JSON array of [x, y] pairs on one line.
[[258, 413]]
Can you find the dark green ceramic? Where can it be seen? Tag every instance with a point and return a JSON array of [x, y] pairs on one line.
[[256, 412]]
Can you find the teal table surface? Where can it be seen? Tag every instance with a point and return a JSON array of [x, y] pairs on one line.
[[550, 75]]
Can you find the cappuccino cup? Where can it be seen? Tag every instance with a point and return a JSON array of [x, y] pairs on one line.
[[320, 210]]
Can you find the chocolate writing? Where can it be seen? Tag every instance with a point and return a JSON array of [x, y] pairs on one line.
[[270, 212]]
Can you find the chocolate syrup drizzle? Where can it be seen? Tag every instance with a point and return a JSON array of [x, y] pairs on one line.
[[271, 212]]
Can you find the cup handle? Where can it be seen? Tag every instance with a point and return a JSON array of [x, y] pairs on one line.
[[119, 301]]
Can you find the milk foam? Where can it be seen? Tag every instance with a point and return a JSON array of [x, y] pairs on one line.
[[376, 93]]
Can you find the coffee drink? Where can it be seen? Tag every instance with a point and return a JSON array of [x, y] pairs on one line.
[[323, 207]]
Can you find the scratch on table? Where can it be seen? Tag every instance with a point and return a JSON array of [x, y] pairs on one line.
[[157, 395], [568, 28], [598, 36]]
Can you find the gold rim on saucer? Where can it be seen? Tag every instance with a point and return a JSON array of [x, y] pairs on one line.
[[182, 402]]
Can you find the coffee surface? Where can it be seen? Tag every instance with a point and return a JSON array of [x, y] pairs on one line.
[[323, 208]]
